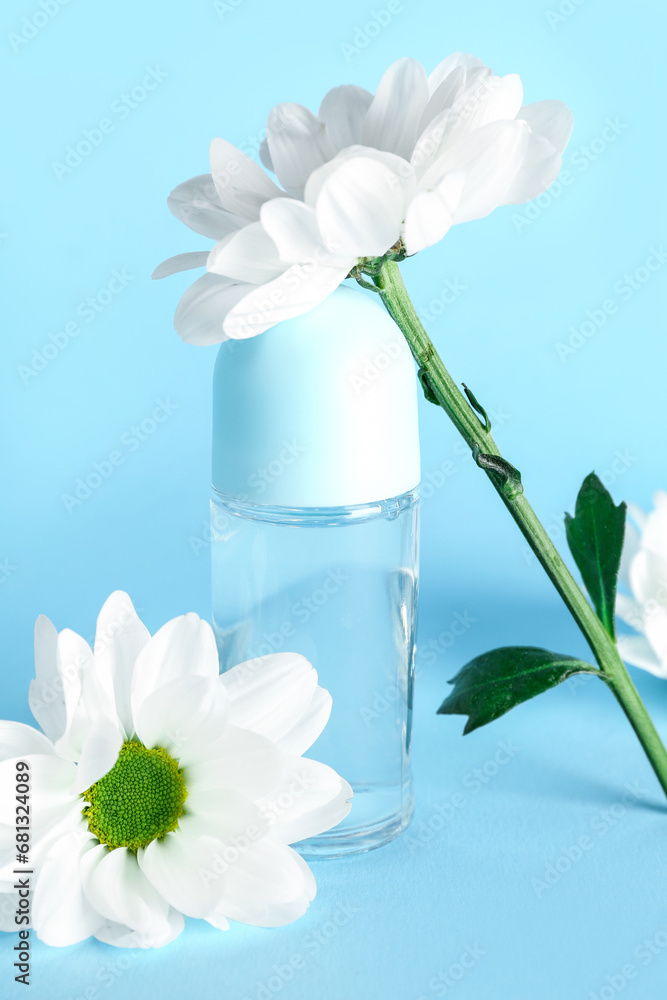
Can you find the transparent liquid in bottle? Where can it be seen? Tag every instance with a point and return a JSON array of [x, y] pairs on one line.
[[338, 585]]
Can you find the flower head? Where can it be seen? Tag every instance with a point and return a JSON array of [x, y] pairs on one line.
[[371, 177], [644, 574], [161, 789]]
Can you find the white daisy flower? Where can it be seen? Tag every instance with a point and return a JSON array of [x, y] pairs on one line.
[[644, 575], [161, 789], [369, 175]]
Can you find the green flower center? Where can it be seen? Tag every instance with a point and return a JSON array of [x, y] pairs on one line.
[[139, 800]]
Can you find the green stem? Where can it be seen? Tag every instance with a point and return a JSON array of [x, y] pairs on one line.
[[393, 293]]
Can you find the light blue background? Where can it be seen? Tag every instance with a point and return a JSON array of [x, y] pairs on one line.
[[413, 907]]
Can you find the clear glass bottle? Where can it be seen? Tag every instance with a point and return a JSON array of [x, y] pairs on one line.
[[314, 549], [338, 585]]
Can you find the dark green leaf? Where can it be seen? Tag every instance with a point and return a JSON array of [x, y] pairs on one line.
[[494, 682], [477, 406], [507, 477], [427, 387], [595, 536]]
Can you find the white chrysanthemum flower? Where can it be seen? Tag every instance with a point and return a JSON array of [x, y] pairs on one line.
[[160, 788], [644, 574], [369, 175]]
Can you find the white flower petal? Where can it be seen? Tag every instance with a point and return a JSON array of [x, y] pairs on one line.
[[185, 868], [85, 699], [218, 921], [196, 203], [392, 120], [395, 165], [551, 119], [248, 255], [444, 96], [17, 739], [296, 291], [72, 656], [240, 760], [50, 820], [642, 577], [484, 99], [160, 934], [281, 914], [45, 695], [495, 98], [116, 887], [343, 110], [241, 184], [360, 208], [630, 611], [119, 638], [431, 213], [476, 75], [215, 811], [631, 544], [8, 901], [644, 572], [433, 140], [540, 168], [265, 155], [51, 788], [637, 650], [181, 262], [301, 736], [183, 647], [450, 64], [648, 576], [183, 716], [200, 313], [311, 799], [293, 229], [61, 912], [655, 630], [99, 754], [298, 143], [269, 886], [637, 515], [654, 534], [270, 694], [490, 157]]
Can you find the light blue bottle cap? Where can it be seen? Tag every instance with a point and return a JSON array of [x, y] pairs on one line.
[[318, 411]]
